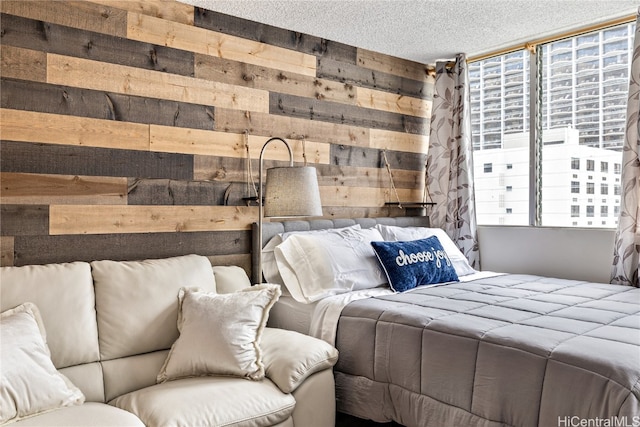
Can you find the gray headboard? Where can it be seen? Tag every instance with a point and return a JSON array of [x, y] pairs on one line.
[[270, 229]]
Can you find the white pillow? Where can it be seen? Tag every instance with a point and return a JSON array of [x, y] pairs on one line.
[[315, 266], [269, 264], [29, 383], [220, 334], [392, 233]]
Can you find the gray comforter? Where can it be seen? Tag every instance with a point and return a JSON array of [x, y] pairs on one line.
[[514, 350]]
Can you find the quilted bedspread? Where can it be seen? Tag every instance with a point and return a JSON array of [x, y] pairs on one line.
[[515, 350]]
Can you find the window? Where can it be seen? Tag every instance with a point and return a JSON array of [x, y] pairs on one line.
[[575, 211], [604, 211], [488, 167], [509, 188], [509, 210], [575, 186], [582, 115], [575, 163], [590, 210]]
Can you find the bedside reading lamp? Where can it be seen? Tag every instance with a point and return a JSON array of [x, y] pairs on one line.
[[290, 191]]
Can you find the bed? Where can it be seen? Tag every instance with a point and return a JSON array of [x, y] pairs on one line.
[[487, 349]]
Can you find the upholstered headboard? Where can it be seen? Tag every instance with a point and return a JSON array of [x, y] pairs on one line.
[[270, 229]]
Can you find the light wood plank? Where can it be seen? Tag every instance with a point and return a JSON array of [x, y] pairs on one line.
[[365, 196], [164, 9], [398, 141], [24, 64], [243, 74], [77, 72], [46, 189], [224, 144], [105, 219], [6, 251], [199, 40], [29, 126], [76, 14], [394, 103], [392, 65]]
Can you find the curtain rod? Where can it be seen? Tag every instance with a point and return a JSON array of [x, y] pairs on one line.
[[532, 44]]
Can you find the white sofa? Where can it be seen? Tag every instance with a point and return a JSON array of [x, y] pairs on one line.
[[110, 326]]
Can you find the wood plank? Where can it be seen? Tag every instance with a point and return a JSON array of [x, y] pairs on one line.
[[363, 77], [164, 9], [25, 189], [290, 127], [21, 63], [53, 38], [258, 77], [224, 144], [385, 101], [77, 14], [393, 65], [263, 33], [119, 247], [24, 220], [48, 128], [334, 212], [365, 196], [312, 109], [68, 71], [72, 160], [368, 177], [345, 155], [6, 251], [46, 98], [398, 141], [105, 219], [172, 192], [199, 40]]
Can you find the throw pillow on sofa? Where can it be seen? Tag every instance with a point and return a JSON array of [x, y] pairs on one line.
[[29, 382], [220, 333]]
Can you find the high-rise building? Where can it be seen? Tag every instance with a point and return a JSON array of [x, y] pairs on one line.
[[585, 80]]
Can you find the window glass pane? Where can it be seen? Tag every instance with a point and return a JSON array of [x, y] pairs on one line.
[[500, 124], [584, 95], [584, 99]]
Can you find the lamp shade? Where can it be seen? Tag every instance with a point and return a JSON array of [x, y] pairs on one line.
[[292, 191]]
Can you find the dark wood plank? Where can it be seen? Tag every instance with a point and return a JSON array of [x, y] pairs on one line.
[[346, 155], [21, 220], [53, 38], [71, 160], [332, 112], [46, 98], [365, 77], [185, 193], [274, 36], [119, 247]]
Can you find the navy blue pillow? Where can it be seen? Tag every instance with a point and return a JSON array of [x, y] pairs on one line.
[[415, 263]]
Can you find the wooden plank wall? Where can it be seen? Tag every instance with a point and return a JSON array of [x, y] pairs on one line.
[[127, 128]]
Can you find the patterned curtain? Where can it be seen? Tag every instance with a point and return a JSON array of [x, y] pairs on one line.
[[625, 251], [449, 161]]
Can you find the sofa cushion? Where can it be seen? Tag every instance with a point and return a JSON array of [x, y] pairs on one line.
[[137, 301], [88, 415], [290, 357], [64, 295], [212, 401], [29, 383], [220, 334]]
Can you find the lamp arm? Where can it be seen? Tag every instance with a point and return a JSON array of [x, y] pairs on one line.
[[260, 196]]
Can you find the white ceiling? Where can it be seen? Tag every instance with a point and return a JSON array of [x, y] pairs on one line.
[[426, 30]]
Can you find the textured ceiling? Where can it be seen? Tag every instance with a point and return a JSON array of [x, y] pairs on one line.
[[426, 30]]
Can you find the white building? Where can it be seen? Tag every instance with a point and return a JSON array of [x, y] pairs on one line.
[[580, 184]]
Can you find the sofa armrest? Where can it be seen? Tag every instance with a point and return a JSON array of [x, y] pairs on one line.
[[289, 357]]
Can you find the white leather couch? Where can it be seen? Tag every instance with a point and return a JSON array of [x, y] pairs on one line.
[[110, 325]]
